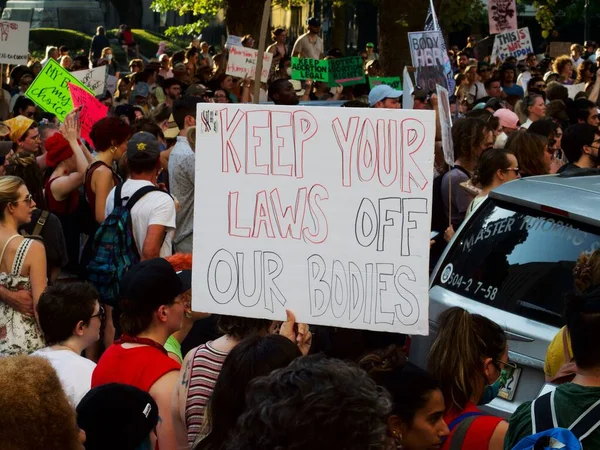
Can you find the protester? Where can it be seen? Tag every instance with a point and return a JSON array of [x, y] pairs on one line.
[[37, 413], [119, 417], [468, 358], [508, 77], [532, 152], [70, 318], [278, 47], [153, 214], [493, 88], [509, 122], [581, 144], [552, 131], [352, 411], [282, 92], [576, 51], [417, 417], [99, 43], [584, 111], [24, 134], [475, 88], [563, 66], [310, 44], [253, 357], [165, 69], [534, 108], [51, 53], [24, 107], [384, 96], [150, 313], [172, 90]]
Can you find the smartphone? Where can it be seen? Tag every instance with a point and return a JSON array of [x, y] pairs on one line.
[[434, 234]]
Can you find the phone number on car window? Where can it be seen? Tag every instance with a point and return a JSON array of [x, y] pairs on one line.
[[467, 284]]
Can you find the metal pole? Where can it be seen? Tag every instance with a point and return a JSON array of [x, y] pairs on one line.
[[586, 20]]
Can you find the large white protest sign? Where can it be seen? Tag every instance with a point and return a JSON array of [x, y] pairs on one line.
[[515, 43], [428, 59], [14, 42], [502, 15], [445, 124], [94, 79], [575, 89], [242, 63], [322, 211]]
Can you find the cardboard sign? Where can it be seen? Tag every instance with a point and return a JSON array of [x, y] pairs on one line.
[[559, 48], [50, 89], [233, 40], [92, 110], [322, 211], [346, 71], [575, 89], [428, 59], [310, 69], [502, 15], [390, 81], [445, 124], [242, 63], [14, 42], [408, 101], [94, 79], [515, 43]]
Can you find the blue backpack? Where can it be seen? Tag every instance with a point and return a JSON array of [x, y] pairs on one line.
[[547, 435], [114, 249]]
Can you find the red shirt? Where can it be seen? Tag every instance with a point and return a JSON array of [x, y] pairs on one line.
[[479, 433], [138, 366]]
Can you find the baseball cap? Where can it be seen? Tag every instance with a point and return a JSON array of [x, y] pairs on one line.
[[313, 22], [143, 146], [370, 44], [179, 67], [141, 90], [172, 130], [152, 283], [493, 103], [381, 92], [197, 90], [116, 416], [507, 118], [550, 74]]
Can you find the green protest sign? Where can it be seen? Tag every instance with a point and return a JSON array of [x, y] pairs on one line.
[[346, 71], [390, 81], [310, 69], [50, 90]]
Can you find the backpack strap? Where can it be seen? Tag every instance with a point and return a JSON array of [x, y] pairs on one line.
[[118, 199], [452, 425], [458, 438], [587, 422], [543, 413], [140, 193], [37, 230]]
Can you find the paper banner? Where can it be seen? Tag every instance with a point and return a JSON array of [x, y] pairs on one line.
[[92, 110], [408, 101], [14, 42], [389, 81], [232, 41], [322, 211], [94, 79], [502, 15], [575, 89], [50, 90], [445, 124], [242, 63], [310, 69], [515, 43], [428, 59]]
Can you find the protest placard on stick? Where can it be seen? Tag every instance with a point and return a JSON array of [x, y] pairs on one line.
[[323, 211], [515, 43], [94, 79], [389, 81], [14, 42], [346, 71], [502, 15], [91, 109], [50, 89], [428, 59], [242, 63], [310, 69]]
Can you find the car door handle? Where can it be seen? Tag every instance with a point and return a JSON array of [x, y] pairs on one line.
[[517, 337]]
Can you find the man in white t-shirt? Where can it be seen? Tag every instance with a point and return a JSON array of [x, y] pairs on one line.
[[310, 45], [153, 215], [70, 317]]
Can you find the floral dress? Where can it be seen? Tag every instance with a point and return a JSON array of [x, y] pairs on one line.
[[19, 334]]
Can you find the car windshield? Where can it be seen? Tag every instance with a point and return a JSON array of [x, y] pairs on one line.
[[517, 259]]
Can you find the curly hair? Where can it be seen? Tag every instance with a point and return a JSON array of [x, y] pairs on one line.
[[587, 270], [560, 63], [467, 135], [241, 327], [315, 403], [40, 415]]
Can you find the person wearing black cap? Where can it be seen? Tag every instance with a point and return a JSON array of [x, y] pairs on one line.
[[310, 45], [152, 309], [581, 143], [153, 215], [118, 417]]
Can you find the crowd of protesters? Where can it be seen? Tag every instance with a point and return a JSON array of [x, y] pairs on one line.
[[129, 366]]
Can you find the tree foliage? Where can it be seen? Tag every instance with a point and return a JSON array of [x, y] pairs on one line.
[[555, 14], [454, 15]]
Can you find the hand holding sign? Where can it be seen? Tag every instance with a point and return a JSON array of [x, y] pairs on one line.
[[91, 109]]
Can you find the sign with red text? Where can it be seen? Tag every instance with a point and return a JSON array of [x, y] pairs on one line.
[[91, 112], [502, 15], [322, 211], [14, 42], [515, 43], [242, 63]]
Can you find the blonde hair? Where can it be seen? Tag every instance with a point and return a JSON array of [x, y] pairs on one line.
[[587, 270], [463, 342], [9, 191]]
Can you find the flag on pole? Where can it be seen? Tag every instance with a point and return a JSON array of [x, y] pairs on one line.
[[432, 24]]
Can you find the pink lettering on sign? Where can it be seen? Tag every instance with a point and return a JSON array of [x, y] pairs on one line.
[[91, 112]]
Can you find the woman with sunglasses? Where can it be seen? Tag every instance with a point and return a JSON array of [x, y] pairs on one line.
[[22, 271], [469, 358], [495, 167]]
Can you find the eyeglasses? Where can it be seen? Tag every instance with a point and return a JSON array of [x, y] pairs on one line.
[[513, 366], [28, 199], [101, 313], [511, 169], [35, 138]]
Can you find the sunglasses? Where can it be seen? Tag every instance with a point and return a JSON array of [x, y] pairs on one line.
[[513, 366]]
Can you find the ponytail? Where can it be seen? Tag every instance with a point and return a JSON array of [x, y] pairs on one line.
[[464, 341]]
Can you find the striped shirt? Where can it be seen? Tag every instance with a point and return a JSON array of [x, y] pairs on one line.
[[206, 366]]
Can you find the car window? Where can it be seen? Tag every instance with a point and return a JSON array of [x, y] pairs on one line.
[[517, 259]]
